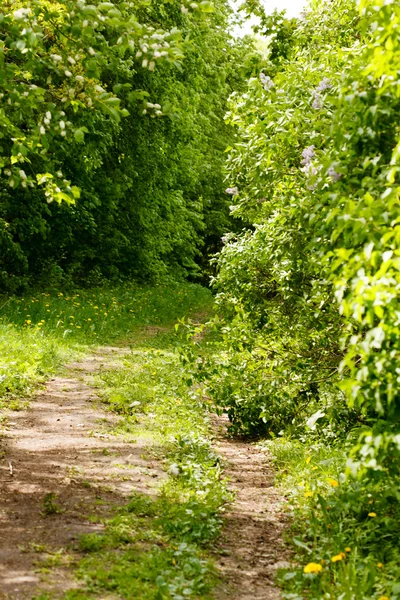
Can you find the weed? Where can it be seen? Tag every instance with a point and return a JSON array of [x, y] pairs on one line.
[[50, 506]]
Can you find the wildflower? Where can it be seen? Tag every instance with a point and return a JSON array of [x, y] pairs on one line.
[[28, 321], [348, 549], [324, 85], [372, 514], [379, 565], [89, 319], [337, 557], [313, 568], [308, 154], [333, 482], [383, 598], [308, 459], [308, 495], [232, 191], [174, 470]]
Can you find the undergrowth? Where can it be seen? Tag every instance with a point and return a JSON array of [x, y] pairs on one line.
[[344, 531]]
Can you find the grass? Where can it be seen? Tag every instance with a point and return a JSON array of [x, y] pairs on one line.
[[41, 332], [344, 532]]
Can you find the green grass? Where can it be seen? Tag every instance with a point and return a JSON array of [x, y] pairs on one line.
[[349, 528], [41, 332]]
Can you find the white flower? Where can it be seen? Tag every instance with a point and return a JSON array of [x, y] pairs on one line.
[[22, 174], [22, 13], [174, 470], [56, 57], [266, 81]]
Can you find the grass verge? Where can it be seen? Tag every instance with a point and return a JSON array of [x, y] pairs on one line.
[[345, 532]]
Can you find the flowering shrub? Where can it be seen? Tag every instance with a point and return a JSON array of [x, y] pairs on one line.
[[308, 292]]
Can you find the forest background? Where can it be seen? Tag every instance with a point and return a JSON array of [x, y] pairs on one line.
[[115, 124]]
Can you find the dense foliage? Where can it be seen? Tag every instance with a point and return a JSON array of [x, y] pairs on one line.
[[308, 291], [112, 138]]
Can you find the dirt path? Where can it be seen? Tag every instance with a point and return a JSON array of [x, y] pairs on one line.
[[60, 446], [69, 472], [251, 547]]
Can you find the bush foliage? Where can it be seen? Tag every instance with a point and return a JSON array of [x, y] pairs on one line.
[[307, 292]]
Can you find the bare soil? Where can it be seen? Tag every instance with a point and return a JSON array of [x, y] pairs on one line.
[[62, 446], [251, 548]]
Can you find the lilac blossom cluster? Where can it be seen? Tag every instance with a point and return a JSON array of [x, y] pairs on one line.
[[334, 174], [266, 81], [322, 87], [233, 191]]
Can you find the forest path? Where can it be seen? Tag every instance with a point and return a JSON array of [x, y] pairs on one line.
[[69, 471], [66, 468], [251, 543]]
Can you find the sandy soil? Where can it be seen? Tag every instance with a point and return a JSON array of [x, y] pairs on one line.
[[61, 446]]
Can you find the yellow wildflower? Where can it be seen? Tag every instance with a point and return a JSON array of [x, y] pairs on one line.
[[337, 557], [383, 598], [380, 565], [308, 459], [28, 321], [372, 514], [89, 319], [348, 549], [308, 495], [312, 568], [42, 321], [333, 482]]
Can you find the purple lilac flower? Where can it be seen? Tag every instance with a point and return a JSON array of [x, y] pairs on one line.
[[308, 154], [317, 103], [232, 191], [334, 174], [309, 170], [324, 85]]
